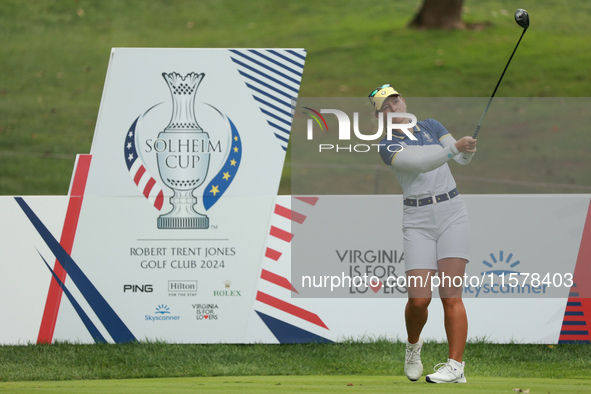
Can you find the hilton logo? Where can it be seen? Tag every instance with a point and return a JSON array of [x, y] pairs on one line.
[[182, 286]]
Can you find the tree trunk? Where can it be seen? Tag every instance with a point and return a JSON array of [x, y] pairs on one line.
[[439, 14]]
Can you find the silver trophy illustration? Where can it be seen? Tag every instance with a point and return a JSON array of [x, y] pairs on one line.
[[182, 153]]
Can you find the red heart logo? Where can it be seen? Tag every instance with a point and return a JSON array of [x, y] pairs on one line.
[[375, 288], [206, 316]]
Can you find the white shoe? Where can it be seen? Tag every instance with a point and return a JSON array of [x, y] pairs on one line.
[[413, 368], [449, 372]]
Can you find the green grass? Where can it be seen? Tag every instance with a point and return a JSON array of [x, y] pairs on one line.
[[54, 60], [55, 53], [64, 361], [314, 384]]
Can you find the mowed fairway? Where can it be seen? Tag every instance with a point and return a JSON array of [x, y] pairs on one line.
[[373, 366], [317, 384]]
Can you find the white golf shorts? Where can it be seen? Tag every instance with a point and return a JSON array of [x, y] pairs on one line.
[[434, 232]]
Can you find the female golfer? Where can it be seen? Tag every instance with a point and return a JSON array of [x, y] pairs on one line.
[[435, 227]]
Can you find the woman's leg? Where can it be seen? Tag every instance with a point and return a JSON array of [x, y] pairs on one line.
[[456, 321], [419, 297]]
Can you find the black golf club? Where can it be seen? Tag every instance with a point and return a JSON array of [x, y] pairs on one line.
[[522, 19]]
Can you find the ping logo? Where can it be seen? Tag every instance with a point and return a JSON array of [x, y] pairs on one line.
[[138, 288]]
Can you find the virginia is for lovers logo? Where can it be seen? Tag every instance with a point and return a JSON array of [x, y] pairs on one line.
[[199, 146]]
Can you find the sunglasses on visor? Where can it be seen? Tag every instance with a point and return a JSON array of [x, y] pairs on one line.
[[372, 94]]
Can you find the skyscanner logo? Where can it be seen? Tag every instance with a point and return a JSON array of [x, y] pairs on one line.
[[501, 279], [345, 126], [501, 258], [161, 313]]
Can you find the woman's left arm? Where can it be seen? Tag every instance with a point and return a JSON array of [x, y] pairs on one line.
[[463, 158]]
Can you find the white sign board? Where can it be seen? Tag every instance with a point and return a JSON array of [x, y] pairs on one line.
[[173, 229]]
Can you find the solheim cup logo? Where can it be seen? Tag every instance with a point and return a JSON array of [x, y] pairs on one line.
[[182, 154]]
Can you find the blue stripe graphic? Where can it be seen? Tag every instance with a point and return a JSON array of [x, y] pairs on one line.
[[282, 111], [268, 95], [573, 342], [93, 331], [289, 96], [297, 54], [281, 137], [278, 127], [113, 324], [264, 75], [275, 117], [299, 65], [263, 65], [276, 62], [287, 333], [269, 75]]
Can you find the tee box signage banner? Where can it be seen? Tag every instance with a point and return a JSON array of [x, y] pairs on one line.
[[173, 202], [173, 230]]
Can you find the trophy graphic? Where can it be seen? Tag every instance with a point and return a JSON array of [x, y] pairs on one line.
[[183, 154]]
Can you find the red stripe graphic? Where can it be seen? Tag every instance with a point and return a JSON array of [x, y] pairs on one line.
[[54, 294], [289, 214], [272, 254], [281, 234], [572, 318], [571, 338], [278, 280], [581, 290], [582, 274], [581, 306], [159, 200], [290, 308], [308, 200], [139, 174], [148, 187]]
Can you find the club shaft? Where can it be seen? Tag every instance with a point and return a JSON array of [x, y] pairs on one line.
[[496, 87]]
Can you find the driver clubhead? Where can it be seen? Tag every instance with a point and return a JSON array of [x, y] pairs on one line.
[[522, 18]]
